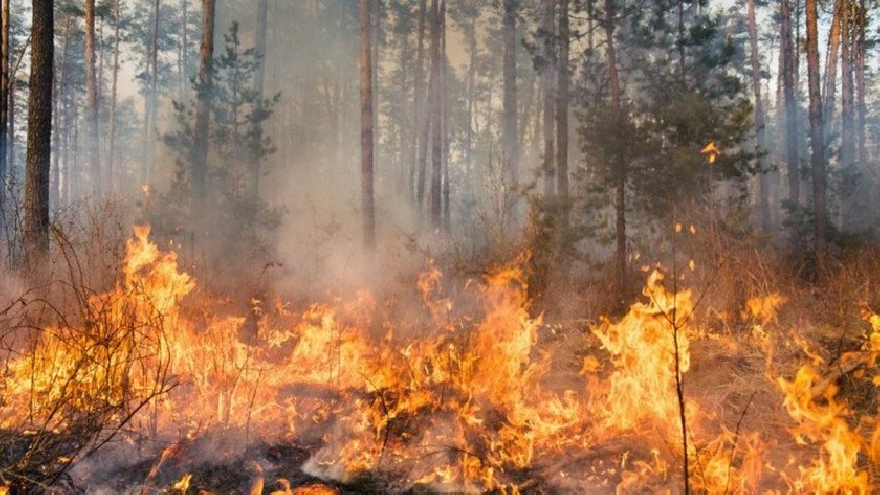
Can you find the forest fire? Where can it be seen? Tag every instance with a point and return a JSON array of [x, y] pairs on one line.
[[470, 401]]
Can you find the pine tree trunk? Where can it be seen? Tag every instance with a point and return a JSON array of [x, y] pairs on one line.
[[444, 117], [510, 136], [203, 106], [4, 110], [549, 53], [817, 157], [763, 179], [422, 121], [366, 82], [259, 83], [791, 121], [831, 63], [92, 104], [436, 109], [39, 142], [562, 114], [847, 154], [621, 171], [114, 87]]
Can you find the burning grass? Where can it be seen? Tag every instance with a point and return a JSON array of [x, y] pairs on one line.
[[138, 394]]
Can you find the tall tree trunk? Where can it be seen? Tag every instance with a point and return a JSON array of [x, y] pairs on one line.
[[436, 117], [203, 107], [39, 141], [562, 114], [60, 104], [4, 111], [763, 179], [366, 78], [444, 116], [422, 120], [92, 91], [791, 121], [509, 136], [817, 157], [847, 155], [549, 53], [470, 35], [862, 109], [260, 86], [621, 169], [831, 62], [114, 87], [150, 135]]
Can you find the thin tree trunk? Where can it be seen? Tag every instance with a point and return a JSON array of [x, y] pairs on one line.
[[847, 155], [510, 136], [366, 79], [436, 109], [182, 53], [260, 83], [4, 111], [61, 105], [862, 110], [791, 122], [817, 157], [422, 121], [831, 62], [203, 106], [549, 30], [444, 117], [562, 114], [92, 91], [763, 179], [621, 171], [39, 143], [114, 85], [153, 98]]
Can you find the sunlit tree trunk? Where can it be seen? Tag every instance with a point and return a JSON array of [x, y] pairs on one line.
[[562, 113], [791, 122], [436, 109], [367, 151], [39, 141], [817, 156], [203, 106], [763, 179], [510, 136], [549, 54], [92, 104]]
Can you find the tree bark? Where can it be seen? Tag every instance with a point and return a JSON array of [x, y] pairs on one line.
[[562, 114], [817, 157], [260, 86], [547, 69], [4, 109], [760, 144], [366, 82], [831, 62], [791, 121], [510, 136], [92, 91], [847, 155], [422, 120], [444, 117], [203, 106], [436, 108], [114, 86], [620, 171], [39, 142]]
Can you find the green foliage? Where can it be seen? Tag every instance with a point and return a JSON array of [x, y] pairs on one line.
[[238, 148]]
